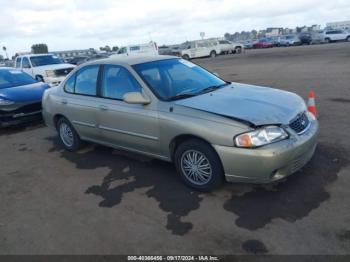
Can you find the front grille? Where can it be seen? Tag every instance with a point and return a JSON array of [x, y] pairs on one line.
[[26, 109], [63, 72], [300, 123]]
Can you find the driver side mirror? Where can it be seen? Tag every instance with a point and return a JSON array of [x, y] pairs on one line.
[[136, 98]]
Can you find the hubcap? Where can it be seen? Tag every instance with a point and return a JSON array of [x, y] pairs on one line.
[[196, 167], [66, 134]]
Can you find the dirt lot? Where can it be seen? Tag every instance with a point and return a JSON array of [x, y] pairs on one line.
[[104, 201]]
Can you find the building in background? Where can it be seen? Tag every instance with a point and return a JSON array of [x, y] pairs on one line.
[[339, 25], [74, 53], [273, 31]]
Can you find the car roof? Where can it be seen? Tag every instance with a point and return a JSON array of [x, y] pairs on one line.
[[131, 60]]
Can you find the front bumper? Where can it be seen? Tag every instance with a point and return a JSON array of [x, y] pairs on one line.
[[20, 113], [269, 163], [54, 81], [10, 120]]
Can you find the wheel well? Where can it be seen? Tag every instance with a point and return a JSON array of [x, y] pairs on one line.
[[56, 118], [174, 144]]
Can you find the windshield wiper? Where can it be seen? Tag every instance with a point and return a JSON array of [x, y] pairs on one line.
[[181, 96], [212, 88]]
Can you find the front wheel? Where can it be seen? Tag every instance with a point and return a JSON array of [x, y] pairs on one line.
[[186, 57], [68, 136], [348, 39], [212, 54], [199, 165], [238, 50], [39, 78]]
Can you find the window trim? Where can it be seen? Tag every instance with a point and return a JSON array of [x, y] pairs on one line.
[[150, 86], [102, 78], [98, 81]]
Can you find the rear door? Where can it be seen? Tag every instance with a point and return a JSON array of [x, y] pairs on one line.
[[132, 126], [80, 102]]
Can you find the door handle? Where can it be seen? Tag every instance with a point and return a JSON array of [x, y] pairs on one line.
[[64, 101], [102, 107]]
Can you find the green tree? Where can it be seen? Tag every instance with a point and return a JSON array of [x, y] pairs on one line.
[[107, 48], [115, 48], [40, 49]]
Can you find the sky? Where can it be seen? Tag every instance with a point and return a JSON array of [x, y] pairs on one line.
[[80, 24]]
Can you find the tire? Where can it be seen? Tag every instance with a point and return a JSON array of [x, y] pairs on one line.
[[212, 54], [39, 78], [327, 40], [348, 39], [238, 50], [212, 174], [68, 136], [186, 57]]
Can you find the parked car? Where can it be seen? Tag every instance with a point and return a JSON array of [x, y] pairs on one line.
[[336, 35], [290, 40], [305, 38], [78, 60], [248, 44], [171, 109], [20, 97], [44, 67], [275, 40], [199, 48], [227, 47], [138, 50], [317, 37], [263, 43]]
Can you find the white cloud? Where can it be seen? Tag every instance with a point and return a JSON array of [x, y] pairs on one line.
[[70, 24]]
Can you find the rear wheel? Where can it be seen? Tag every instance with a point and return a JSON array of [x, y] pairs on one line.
[[199, 165], [68, 136], [327, 40], [348, 39], [212, 54], [238, 50]]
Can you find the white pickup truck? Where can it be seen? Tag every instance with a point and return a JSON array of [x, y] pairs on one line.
[[336, 35], [44, 67]]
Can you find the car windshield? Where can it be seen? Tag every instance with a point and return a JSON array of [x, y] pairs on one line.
[[174, 79], [45, 60], [12, 78]]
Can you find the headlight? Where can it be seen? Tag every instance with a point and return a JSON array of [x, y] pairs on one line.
[[260, 137], [4, 102], [50, 73]]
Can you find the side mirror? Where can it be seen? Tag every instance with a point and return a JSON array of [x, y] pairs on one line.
[[136, 98]]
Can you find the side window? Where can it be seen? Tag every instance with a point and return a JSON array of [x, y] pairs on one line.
[[134, 48], [69, 86], [18, 62], [86, 80], [117, 81], [25, 63]]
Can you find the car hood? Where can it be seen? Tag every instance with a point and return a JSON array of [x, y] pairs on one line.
[[253, 104], [23, 94], [55, 66]]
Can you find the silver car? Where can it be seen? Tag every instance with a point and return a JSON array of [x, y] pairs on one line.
[[171, 109]]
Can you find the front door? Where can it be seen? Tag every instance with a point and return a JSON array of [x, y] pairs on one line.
[[131, 126]]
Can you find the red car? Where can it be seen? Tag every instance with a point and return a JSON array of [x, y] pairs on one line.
[[263, 44]]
